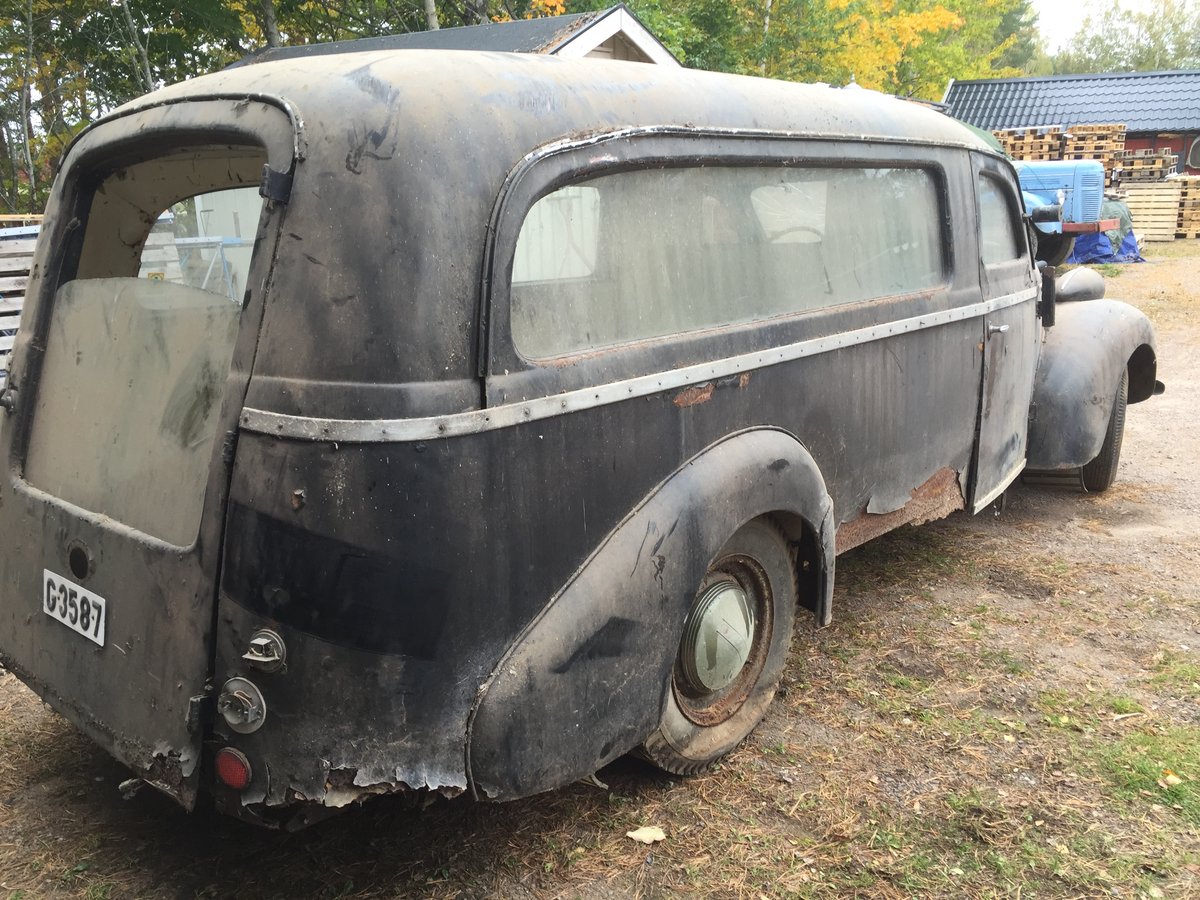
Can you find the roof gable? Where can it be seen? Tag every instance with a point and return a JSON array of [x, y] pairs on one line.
[[1143, 101]]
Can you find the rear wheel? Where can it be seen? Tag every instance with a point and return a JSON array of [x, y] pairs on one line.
[[732, 654], [1101, 472]]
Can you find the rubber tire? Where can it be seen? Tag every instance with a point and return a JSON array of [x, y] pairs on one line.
[[1054, 249], [683, 747], [1101, 472]]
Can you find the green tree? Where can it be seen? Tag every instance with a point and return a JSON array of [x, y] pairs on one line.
[[64, 62], [1167, 36]]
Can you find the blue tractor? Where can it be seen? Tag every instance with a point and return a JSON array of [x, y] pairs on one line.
[[1064, 199]]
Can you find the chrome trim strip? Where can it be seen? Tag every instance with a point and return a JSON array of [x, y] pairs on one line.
[[367, 431], [565, 145]]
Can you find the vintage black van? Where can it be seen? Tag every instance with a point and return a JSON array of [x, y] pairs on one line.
[[460, 422]]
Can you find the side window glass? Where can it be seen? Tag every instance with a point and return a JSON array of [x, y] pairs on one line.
[[644, 254], [998, 239]]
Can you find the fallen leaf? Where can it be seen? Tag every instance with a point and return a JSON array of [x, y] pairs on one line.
[[647, 834], [1169, 779]]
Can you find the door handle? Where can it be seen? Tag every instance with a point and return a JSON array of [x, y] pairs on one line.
[[997, 329]]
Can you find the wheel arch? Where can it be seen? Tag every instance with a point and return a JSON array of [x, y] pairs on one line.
[[584, 682], [1143, 373]]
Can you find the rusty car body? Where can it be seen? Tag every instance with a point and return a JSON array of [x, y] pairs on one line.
[[541, 398]]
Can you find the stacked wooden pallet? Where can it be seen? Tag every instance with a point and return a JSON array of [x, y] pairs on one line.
[[1103, 142], [1154, 207], [1187, 224], [1147, 165], [1031, 143], [15, 257]]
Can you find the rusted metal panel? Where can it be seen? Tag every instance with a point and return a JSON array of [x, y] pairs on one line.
[[935, 499]]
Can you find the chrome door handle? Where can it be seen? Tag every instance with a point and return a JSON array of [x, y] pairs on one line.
[[997, 329]]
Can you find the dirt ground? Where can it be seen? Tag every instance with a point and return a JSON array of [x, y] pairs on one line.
[[1003, 707]]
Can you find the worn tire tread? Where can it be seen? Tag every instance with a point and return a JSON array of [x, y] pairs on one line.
[[1099, 474]]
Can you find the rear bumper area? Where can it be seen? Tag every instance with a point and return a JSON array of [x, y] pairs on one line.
[[338, 724]]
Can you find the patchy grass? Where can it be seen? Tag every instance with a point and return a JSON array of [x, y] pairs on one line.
[[1109, 270], [1160, 767], [1177, 675]]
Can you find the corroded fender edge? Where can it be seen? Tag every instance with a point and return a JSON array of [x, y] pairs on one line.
[[1078, 375], [587, 680]]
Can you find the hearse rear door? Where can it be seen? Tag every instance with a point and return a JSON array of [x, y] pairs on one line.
[[1010, 332], [128, 377]]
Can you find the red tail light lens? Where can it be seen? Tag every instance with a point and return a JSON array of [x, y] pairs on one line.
[[233, 768]]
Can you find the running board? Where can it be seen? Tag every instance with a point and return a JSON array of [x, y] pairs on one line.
[[1067, 478]]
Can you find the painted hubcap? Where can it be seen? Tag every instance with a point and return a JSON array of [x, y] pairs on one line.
[[718, 638]]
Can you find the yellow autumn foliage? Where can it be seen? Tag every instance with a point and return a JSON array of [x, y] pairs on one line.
[[874, 36]]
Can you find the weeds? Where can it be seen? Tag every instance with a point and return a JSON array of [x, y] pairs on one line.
[[1160, 768]]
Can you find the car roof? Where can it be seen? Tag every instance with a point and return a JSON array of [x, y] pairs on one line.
[[549, 96]]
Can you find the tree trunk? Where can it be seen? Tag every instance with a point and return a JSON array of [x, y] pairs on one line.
[[143, 56], [26, 120], [270, 23], [431, 18], [9, 185], [762, 61]]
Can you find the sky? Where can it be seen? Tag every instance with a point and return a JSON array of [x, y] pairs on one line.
[[1058, 20]]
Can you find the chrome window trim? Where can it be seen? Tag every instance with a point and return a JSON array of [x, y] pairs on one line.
[[368, 431]]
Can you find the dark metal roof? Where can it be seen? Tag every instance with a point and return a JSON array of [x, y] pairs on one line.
[[544, 35], [1143, 101]]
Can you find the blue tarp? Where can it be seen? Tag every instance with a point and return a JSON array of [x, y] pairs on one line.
[[1117, 246], [1098, 248]]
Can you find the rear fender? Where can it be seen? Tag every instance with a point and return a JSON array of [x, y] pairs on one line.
[[1082, 359], [587, 680]]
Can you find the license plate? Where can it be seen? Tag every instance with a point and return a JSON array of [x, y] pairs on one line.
[[77, 608]]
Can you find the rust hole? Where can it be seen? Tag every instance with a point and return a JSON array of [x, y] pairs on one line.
[[694, 395]]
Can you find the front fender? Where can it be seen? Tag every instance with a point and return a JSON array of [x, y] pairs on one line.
[[587, 680], [1078, 373]]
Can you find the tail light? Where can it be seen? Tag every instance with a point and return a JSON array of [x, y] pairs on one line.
[[233, 768]]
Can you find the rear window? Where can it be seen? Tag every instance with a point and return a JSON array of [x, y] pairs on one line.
[[140, 341], [645, 254]]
